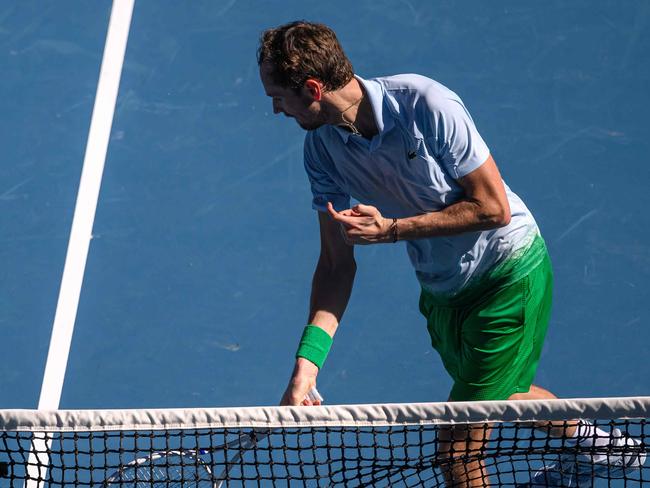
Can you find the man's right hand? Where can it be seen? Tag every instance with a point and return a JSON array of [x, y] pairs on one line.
[[303, 379]]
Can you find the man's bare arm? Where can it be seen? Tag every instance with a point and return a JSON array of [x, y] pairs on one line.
[[333, 278], [331, 289], [484, 206]]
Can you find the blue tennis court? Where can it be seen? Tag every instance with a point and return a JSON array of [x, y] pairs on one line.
[[196, 285]]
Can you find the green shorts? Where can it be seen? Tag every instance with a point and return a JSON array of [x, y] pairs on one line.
[[491, 344]]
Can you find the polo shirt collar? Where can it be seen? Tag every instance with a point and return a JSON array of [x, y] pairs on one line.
[[383, 118]]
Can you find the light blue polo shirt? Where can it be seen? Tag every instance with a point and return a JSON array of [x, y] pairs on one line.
[[427, 141]]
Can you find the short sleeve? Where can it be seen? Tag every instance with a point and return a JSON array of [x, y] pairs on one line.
[[457, 144], [323, 187]]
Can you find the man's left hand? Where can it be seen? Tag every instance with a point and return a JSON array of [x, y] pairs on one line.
[[362, 224]]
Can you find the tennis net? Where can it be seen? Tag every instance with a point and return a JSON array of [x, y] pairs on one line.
[[512, 444]]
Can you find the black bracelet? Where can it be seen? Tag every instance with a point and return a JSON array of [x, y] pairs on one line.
[[394, 231]]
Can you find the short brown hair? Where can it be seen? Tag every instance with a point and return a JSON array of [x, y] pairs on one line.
[[300, 50]]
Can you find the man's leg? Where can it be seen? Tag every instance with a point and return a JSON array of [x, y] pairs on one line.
[[490, 344], [460, 448], [500, 345], [558, 429], [460, 451]]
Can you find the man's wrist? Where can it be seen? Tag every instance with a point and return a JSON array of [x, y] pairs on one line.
[[304, 367], [393, 231]]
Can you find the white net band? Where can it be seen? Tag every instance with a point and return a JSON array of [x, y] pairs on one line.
[[324, 416]]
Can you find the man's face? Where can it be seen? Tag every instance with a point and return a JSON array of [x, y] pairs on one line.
[[298, 105]]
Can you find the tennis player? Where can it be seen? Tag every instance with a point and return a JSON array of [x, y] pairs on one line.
[[407, 148]]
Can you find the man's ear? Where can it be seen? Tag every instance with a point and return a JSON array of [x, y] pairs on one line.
[[314, 88]]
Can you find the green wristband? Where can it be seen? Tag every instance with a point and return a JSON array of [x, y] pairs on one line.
[[314, 345]]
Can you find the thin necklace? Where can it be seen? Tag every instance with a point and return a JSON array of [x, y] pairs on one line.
[[348, 124]]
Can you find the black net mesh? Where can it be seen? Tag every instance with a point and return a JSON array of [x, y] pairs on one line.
[[477, 454]]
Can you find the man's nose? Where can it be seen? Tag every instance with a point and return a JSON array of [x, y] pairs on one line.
[[276, 108]]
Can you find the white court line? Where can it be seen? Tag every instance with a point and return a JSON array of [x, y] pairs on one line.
[[82, 226]]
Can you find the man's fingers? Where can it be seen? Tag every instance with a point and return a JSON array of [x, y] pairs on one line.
[[348, 220], [355, 221], [345, 216], [338, 216], [294, 395], [362, 209], [331, 210]]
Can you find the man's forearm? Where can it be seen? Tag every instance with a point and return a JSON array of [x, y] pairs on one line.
[[331, 289], [463, 216]]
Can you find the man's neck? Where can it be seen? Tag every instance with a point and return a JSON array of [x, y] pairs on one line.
[[351, 109]]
